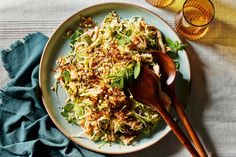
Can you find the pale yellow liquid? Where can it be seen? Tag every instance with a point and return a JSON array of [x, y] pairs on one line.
[[192, 26], [196, 16], [159, 3]]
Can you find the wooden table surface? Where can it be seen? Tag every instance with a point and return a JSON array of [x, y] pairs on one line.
[[212, 104]]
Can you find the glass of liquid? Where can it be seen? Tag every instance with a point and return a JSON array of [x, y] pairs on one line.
[[194, 18], [159, 3]]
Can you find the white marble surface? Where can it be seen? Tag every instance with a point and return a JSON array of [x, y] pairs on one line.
[[212, 104]]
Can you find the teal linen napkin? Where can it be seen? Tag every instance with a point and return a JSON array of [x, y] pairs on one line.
[[25, 127]]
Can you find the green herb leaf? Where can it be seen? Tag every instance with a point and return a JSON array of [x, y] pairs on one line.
[[122, 82], [170, 43], [152, 42], [177, 65], [75, 35], [122, 39], [79, 110], [128, 33], [68, 107], [64, 114], [117, 83], [137, 69], [118, 36], [183, 46], [122, 42], [175, 46], [122, 77], [66, 76], [72, 120]]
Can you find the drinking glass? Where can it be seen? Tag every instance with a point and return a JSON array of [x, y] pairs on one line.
[[159, 3], [194, 18]]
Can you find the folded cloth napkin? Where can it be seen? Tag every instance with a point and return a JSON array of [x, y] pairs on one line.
[[25, 127]]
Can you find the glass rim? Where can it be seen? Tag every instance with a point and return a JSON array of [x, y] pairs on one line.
[[203, 24]]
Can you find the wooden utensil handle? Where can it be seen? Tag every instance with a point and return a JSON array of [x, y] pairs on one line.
[[177, 131], [180, 110]]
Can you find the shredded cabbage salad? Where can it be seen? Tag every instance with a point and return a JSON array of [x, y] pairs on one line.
[[103, 60]]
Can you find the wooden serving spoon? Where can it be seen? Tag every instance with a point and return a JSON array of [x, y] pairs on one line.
[[146, 89], [168, 74]]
